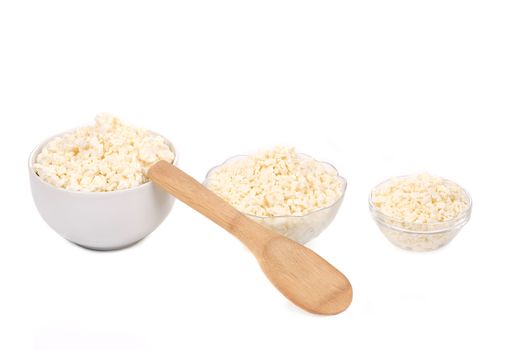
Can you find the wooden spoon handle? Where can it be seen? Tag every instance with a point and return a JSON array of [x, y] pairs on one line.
[[194, 194]]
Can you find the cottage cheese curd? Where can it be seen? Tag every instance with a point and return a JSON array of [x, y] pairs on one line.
[[277, 182], [105, 157], [420, 212], [288, 192], [421, 199]]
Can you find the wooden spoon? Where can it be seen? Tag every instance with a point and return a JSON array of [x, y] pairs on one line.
[[301, 275]]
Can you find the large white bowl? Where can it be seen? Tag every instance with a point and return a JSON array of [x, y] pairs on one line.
[[100, 220]]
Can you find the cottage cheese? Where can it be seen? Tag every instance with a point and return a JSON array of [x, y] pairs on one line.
[[420, 199], [105, 157], [276, 182], [420, 212]]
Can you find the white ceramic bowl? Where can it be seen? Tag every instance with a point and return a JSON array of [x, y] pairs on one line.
[[100, 220]]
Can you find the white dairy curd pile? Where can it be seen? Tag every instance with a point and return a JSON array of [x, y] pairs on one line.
[[420, 212], [277, 182], [420, 199], [107, 156]]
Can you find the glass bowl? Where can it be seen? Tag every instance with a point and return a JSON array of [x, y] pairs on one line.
[[301, 229], [418, 236]]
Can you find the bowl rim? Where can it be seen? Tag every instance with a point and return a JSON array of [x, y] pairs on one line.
[[335, 203], [36, 150], [433, 228]]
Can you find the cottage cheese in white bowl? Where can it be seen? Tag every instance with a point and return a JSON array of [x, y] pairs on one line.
[[90, 184]]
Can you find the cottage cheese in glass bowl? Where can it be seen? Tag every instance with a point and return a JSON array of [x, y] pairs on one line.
[[420, 212], [288, 192]]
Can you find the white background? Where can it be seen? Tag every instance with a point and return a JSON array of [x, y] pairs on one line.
[[378, 88]]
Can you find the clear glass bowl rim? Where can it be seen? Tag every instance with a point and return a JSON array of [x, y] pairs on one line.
[[335, 203]]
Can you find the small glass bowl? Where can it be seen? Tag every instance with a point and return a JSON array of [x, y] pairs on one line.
[[301, 229], [417, 236]]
